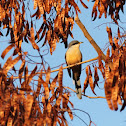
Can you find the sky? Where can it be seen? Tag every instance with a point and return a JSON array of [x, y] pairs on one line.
[[98, 109]]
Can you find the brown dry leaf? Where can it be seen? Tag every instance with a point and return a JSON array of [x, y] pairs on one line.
[[72, 2], [10, 121], [60, 76], [113, 51], [23, 10], [14, 100], [108, 93], [60, 26], [87, 70], [101, 67], [49, 36], [21, 69], [47, 6], [70, 113], [116, 40], [48, 121], [33, 73], [49, 107], [35, 4], [86, 84], [39, 84], [107, 75], [43, 34], [8, 30], [119, 100], [58, 100], [53, 45], [115, 91], [107, 55], [58, 7], [62, 121], [100, 61], [96, 77], [40, 4], [65, 100], [56, 23], [94, 10], [91, 80], [71, 34], [43, 100], [124, 98], [10, 63], [66, 8], [16, 51], [26, 75], [109, 35], [71, 20], [91, 84], [46, 89], [125, 92], [118, 3], [32, 39], [85, 6], [123, 106], [28, 106], [7, 50], [119, 33], [48, 75], [102, 9], [116, 61], [53, 84]]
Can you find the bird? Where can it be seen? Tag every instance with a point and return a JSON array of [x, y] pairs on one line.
[[73, 55]]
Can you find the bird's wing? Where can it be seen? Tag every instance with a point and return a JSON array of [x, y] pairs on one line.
[[77, 71], [80, 66], [68, 69]]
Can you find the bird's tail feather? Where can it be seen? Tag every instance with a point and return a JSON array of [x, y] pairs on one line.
[[78, 88]]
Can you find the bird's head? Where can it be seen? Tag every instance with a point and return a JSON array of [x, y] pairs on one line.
[[74, 42]]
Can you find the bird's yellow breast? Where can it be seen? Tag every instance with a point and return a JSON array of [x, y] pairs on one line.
[[73, 55]]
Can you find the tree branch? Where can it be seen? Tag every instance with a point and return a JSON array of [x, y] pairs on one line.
[[66, 66], [90, 39], [76, 64]]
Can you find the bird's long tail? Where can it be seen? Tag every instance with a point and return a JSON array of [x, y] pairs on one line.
[[78, 88]]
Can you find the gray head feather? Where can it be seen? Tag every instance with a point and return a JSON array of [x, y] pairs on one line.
[[74, 42]]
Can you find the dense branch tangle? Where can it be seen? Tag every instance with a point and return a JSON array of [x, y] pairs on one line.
[[23, 105]]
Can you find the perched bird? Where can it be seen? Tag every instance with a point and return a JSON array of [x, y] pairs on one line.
[[73, 55]]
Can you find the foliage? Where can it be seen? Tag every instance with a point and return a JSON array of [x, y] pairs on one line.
[[48, 103]]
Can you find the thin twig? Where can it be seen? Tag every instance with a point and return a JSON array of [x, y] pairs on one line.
[[86, 95], [94, 97], [81, 119]]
